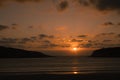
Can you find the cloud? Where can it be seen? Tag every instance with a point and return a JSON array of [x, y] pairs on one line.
[[82, 36], [105, 34], [118, 35], [8, 40], [2, 27], [14, 24], [50, 45], [119, 24], [108, 24], [47, 41], [30, 26], [33, 38], [65, 46], [20, 1], [53, 45], [28, 0], [25, 40], [104, 40], [107, 40], [84, 2], [87, 45], [62, 5], [102, 4], [42, 36], [75, 40]]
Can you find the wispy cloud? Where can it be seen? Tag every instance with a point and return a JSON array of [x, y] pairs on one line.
[[61, 5], [82, 36], [2, 27], [2, 2], [75, 40], [28, 0], [108, 23], [8, 40], [102, 4], [25, 40], [42, 36]]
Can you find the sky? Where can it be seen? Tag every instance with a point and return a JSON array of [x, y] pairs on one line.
[[59, 24]]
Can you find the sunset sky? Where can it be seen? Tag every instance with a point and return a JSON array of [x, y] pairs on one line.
[[59, 24]]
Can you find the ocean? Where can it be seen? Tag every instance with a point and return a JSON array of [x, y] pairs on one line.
[[60, 65]]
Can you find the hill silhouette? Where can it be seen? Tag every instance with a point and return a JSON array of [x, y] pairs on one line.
[[6, 52], [107, 52]]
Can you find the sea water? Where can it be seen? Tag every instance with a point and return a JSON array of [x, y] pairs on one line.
[[60, 65]]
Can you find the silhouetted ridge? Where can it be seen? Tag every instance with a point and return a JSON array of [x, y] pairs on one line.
[[6, 52], [107, 52]]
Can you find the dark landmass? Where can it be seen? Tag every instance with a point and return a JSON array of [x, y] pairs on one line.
[[6, 52], [107, 52]]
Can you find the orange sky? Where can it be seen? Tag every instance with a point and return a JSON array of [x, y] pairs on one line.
[[59, 24]]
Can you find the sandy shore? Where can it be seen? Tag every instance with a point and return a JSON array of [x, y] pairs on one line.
[[91, 76]]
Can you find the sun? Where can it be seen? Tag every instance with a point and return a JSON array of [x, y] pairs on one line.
[[75, 49]]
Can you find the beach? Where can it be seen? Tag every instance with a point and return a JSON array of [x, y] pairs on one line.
[[37, 76]]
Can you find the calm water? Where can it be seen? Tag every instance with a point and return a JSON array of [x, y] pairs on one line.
[[61, 65]]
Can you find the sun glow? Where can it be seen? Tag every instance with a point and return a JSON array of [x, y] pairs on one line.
[[75, 72], [75, 49]]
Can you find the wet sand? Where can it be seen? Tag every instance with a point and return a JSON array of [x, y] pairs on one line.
[[37, 76]]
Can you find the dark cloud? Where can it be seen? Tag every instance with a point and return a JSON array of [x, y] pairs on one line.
[[102, 4], [2, 27], [53, 45], [82, 36], [75, 40], [14, 24], [84, 2], [119, 24], [30, 26], [43, 46], [87, 45], [89, 40], [20, 1], [51, 36], [42, 36], [8, 40], [50, 45], [105, 34], [118, 35], [25, 40], [47, 41], [33, 38], [107, 40], [65, 46], [27, 0], [108, 24], [62, 5]]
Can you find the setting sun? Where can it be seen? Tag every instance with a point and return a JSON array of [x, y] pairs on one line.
[[74, 49]]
